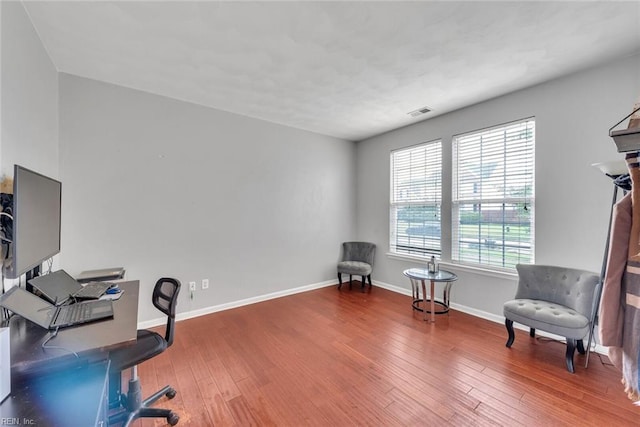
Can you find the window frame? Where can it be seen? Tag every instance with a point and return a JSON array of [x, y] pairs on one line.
[[435, 201], [527, 200]]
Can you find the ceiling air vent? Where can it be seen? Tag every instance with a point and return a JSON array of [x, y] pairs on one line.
[[419, 111]]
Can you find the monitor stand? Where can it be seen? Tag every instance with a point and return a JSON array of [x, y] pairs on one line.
[[32, 274]]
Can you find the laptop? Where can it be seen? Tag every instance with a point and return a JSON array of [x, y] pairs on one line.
[[102, 275], [50, 316], [59, 286]]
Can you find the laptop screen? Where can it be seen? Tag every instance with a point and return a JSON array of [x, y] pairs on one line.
[[56, 286], [28, 306]]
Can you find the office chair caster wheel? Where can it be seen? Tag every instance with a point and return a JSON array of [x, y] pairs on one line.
[[173, 419], [170, 394]]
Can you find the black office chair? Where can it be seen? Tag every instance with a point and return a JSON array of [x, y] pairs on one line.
[[149, 344]]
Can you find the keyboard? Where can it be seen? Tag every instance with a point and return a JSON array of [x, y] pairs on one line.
[[80, 313], [72, 314], [93, 290]]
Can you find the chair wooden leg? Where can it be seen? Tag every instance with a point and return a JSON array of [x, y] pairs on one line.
[[509, 324], [363, 283], [571, 348], [350, 281], [532, 332], [370, 284], [581, 347], [339, 280]]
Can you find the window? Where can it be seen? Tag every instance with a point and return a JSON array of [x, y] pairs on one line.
[[493, 196], [416, 197]]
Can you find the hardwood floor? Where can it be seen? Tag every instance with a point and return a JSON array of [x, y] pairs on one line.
[[336, 358]]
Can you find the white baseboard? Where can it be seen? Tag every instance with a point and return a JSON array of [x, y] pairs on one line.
[[392, 288], [235, 304], [240, 303], [490, 316]]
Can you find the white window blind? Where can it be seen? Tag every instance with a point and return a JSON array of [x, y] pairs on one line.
[[416, 198], [493, 196]]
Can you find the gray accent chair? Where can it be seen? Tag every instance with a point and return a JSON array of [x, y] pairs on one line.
[[357, 259], [557, 300]]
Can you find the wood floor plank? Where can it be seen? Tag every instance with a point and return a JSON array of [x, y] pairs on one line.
[[364, 406], [346, 357], [215, 403], [242, 412], [510, 409], [218, 371], [411, 411]]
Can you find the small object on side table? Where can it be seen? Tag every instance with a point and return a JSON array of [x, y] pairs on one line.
[[432, 265]]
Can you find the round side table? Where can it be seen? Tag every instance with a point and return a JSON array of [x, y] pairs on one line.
[[419, 277]]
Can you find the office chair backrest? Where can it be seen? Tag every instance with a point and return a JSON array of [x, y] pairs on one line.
[[165, 298]]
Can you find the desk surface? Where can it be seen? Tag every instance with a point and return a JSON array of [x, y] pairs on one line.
[[91, 342]]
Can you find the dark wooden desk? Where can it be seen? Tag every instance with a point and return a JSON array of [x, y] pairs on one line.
[[91, 342], [51, 386], [76, 397]]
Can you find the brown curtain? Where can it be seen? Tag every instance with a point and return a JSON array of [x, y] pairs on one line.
[[631, 286]]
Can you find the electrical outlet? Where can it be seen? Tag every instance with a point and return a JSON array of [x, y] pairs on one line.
[[192, 286], [205, 283]]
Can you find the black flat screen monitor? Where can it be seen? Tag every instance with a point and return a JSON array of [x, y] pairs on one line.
[[36, 220]]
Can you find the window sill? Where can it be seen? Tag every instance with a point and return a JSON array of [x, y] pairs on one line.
[[456, 267]]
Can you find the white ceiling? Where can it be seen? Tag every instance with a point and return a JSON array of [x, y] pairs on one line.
[[347, 69]]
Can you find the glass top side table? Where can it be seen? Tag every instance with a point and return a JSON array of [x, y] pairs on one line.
[[419, 278]]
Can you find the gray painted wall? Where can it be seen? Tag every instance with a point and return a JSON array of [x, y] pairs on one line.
[[163, 187], [573, 116], [29, 96]]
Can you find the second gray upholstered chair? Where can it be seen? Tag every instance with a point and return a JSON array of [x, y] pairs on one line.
[[357, 259], [557, 300]]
